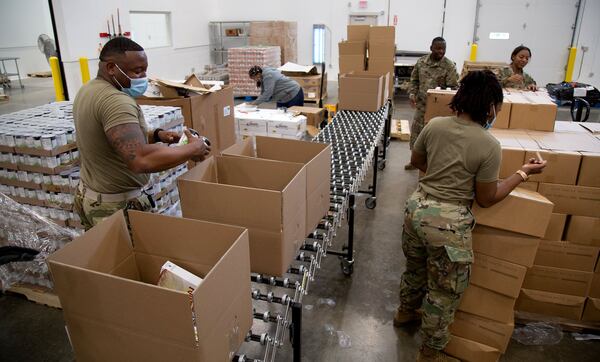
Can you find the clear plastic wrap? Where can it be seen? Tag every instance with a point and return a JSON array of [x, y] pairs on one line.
[[21, 226], [538, 334]]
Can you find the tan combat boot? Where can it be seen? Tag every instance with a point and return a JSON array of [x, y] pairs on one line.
[[401, 317], [427, 354]]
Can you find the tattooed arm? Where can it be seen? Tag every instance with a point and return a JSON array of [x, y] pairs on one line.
[[130, 143]]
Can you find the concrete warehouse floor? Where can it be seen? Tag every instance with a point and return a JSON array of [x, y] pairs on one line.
[[359, 307]]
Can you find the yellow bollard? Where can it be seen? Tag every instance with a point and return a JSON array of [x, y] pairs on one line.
[[57, 78], [571, 64], [85, 69], [473, 55]]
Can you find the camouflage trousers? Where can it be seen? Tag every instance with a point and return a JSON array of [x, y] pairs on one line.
[[93, 211], [436, 241], [417, 125]]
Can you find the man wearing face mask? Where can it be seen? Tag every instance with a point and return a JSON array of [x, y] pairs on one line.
[[276, 87], [431, 71], [117, 151]]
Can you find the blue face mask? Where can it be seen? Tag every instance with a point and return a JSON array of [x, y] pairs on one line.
[[489, 124], [138, 85]]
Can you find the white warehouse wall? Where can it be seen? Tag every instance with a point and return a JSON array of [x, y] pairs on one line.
[[18, 38], [588, 71]]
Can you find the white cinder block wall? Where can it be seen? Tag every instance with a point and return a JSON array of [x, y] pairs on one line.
[[80, 21]]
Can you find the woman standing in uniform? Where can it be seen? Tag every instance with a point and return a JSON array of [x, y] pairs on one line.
[[513, 76], [461, 162]]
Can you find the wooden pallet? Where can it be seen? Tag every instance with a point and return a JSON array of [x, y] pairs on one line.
[[568, 325], [3, 97], [400, 130], [36, 294], [40, 74]]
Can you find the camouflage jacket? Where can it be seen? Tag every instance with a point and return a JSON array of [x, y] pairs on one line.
[[507, 72], [429, 74]]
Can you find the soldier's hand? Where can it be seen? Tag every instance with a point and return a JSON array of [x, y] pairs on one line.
[[532, 87], [516, 78], [534, 166], [413, 100], [201, 150], [168, 137]]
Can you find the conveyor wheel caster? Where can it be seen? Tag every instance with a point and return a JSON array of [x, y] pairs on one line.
[[347, 266], [371, 203], [381, 165]]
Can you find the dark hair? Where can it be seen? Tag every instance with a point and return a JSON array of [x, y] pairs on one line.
[[478, 90], [118, 46], [518, 49], [255, 70], [436, 39]]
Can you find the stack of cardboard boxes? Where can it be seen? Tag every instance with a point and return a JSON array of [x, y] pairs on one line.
[[365, 87], [520, 109], [310, 81], [283, 34], [505, 242]]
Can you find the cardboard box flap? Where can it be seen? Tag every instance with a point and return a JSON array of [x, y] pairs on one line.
[[241, 148], [275, 149], [553, 298], [182, 86], [150, 231], [203, 171], [99, 249], [256, 172], [595, 302], [358, 32], [352, 48]]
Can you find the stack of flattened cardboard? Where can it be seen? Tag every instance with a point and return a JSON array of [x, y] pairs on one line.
[[283, 34], [561, 283], [128, 317], [505, 243], [208, 112], [520, 109]]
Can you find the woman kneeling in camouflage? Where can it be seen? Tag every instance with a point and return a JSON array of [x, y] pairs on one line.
[[461, 162]]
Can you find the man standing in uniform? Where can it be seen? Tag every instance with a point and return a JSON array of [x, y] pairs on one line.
[[117, 152], [431, 71]]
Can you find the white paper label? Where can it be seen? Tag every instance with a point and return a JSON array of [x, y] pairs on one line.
[[226, 111], [312, 95], [499, 36], [579, 92]]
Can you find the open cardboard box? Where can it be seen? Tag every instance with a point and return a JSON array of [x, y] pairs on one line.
[[106, 280], [315, 156], [210, 114], [360, 92], [267, 197]]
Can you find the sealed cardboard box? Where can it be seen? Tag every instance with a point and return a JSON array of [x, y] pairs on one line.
[[522, 211], [513, 247], [584, 230], [556, 280], [562, 254], [591, 312], [532, 110], [531, 186], [500, 276], [556, 227], [589, 172], [267, 197], [471, 351], [482, 330], [382, 34], [552, 304], [512, 160], [360, 92], [315, 156], [562, 167], [314, 116], [438, 103], [114, 311], [595, 286], [488, 304], [358, 32], [210, 114], [573, 200]]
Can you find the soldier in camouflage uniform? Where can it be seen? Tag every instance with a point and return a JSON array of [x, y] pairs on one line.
[[513, 76], [461, 162], [431, 71], [116, 149]]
